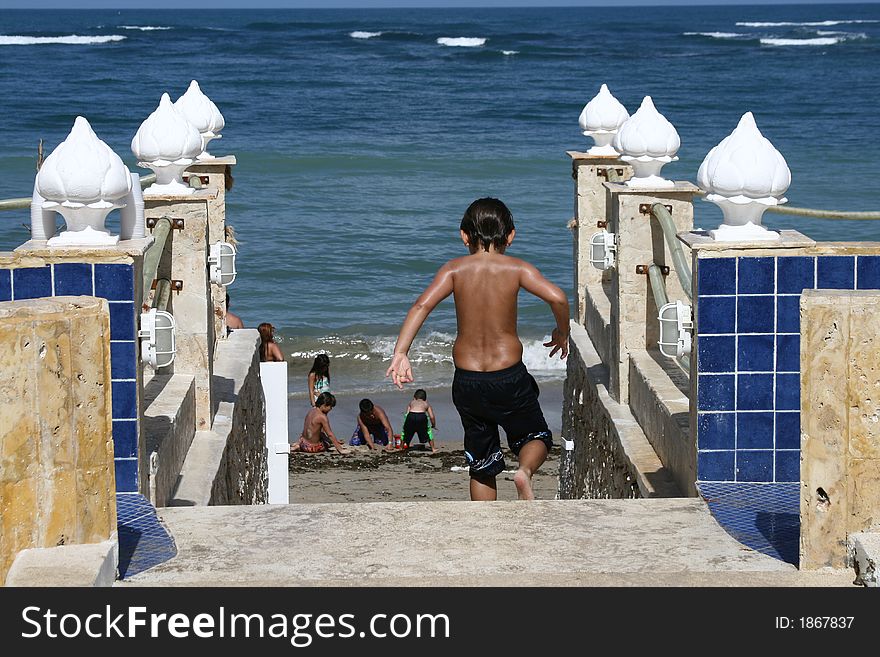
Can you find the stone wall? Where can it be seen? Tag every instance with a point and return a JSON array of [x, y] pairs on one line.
[[57, 482], [612, 457], [840, 434]]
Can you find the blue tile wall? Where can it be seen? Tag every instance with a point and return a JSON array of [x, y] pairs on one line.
[[32, 282], [116, 283], [5, 285], [748, 359], [73, 279]]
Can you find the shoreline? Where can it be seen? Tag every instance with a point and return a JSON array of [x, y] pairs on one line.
[[413, 475]]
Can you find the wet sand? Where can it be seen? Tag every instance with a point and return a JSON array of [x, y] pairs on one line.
[[414, 474]]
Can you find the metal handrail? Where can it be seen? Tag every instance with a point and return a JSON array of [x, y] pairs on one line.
[[682, 268], [812, 212], [151, 258], [25, 203]]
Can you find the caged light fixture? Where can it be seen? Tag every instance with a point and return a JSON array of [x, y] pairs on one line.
[[158, 346], [603, 249], [675, 328], [222, 263]]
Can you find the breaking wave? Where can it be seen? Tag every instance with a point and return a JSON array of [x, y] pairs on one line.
[[813, 24], [364, 35], [820, 41], [73, 39], [145, 28], [462, 42], [717, 35]]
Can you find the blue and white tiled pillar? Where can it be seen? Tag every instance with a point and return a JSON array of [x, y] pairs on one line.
[[745, 379], [114, 273]]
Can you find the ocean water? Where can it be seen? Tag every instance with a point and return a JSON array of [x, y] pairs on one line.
[[362, 136]]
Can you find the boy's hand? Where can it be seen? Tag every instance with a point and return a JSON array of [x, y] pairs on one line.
[[558, 341], [400, 370]]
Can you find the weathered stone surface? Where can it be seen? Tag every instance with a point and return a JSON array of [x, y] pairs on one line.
[[56, 457], [840, 459], [66, 565], [612, 458], [193, 311]]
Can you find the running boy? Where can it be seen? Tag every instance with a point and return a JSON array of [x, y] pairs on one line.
[[418, 413], [491, 385], [316, 428]]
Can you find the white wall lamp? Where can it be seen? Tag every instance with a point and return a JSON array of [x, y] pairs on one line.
[[603, 249], [222, 263], [158, 346], [675, 329]]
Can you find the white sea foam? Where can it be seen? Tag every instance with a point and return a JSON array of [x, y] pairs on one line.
[[364, 35], [462, 42], [145, 28], [821, 41], [843, 35], [813, 24], [510, 52], [73, 39], [716, 35]]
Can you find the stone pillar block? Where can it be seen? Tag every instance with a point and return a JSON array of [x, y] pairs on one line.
[[640, 242], [57, 483], [193, 307], [218, 173], [589, 173], [840, 439]]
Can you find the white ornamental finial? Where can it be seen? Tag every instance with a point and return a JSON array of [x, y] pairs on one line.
[[744, 175], [647, 141], [199, 110], [600, 119], [166, 143], [83, 180]]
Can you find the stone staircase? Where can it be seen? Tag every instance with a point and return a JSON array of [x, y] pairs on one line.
[[663, 542]]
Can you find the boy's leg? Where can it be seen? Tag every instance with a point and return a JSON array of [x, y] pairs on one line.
[[531, 456], [483, 490]]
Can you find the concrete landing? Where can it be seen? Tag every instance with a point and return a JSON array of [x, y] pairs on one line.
[[665, 542]]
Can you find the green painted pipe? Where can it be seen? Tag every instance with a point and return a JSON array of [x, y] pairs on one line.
[[682, 268], [163, 293], [154, 253]]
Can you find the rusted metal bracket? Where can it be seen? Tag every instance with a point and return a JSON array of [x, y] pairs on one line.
[[645, 208], [601, 224], [176, 222], [603, 173], [643, 269], [176, 284], [204, 180]]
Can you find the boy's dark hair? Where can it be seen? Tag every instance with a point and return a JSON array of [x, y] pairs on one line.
[[420, 394], [366, 406], [325, 399], [487, 221]]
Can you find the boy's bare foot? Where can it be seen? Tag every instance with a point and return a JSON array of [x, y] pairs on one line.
[[523, 482]]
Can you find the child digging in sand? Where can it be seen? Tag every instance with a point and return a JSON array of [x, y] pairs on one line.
[[316, 428], [491, 385], [415, 421]]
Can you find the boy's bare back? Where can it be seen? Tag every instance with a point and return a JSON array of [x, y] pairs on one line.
[[314, 425]]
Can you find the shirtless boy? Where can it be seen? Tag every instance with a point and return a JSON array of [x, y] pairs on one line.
[[491, 385], [316, 428], [418, 415], [373, 426]]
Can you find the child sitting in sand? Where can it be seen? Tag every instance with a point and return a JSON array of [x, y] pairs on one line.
[[372, 426], [319, 377], [316, 431], [491, 385], [415, 421]]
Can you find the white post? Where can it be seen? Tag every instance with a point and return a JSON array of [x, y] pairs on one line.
[[273, 376]]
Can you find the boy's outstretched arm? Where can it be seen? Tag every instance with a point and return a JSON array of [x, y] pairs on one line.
[[400, 370], [533, 281]]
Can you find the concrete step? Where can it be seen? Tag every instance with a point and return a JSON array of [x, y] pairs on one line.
[[668, 542], [93, 564], [200, 468]]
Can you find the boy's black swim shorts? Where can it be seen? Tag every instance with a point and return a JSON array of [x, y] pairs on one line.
[[484, 400]]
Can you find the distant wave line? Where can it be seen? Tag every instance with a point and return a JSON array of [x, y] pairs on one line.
[[364, 35], [72, 39], [821, 41], [717, 35], [462, 42], [813, 24], [145, 28]]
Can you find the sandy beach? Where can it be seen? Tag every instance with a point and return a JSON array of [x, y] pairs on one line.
[[413, 475]]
